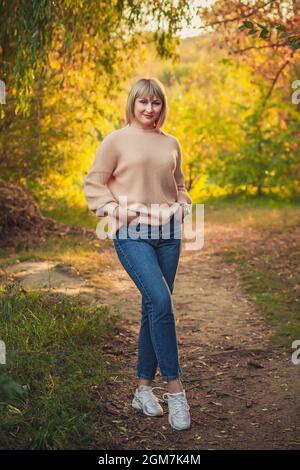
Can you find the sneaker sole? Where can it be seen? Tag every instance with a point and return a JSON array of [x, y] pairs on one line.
[[179, 429], [136, 405]]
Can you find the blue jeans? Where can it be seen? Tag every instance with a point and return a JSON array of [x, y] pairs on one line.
[[151, 260]]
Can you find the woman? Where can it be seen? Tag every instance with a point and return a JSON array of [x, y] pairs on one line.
[[141, 164]]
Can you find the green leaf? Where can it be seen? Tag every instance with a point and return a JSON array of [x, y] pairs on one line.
[[280, 27], [248, 24], [296, 46], [11, 390], [252, 32], [264, 33], [283, 35]]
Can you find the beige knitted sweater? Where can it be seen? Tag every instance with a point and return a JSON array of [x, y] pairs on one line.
[[137, 168]]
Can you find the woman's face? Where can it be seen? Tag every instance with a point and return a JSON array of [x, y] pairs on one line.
[[147, 110]]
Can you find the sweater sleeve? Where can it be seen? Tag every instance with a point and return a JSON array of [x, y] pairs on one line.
[[98, 196], [183, 195]]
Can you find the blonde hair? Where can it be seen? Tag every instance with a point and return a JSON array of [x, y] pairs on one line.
[[147, 87]]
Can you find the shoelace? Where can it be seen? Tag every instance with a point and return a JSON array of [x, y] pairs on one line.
[[177, 402], [145, 391]]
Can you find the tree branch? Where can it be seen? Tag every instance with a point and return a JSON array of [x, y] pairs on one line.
[[273, 45], [279, 72], [237, 18]]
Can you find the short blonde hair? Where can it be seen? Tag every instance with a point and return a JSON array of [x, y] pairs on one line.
[[147, 87]]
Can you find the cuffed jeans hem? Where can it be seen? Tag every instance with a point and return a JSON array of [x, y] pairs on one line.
[[171, 377], [144, 377]]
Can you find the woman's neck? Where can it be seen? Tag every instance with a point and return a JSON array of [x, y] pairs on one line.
[[143, 129]]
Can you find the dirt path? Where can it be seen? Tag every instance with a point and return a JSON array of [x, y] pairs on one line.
[[242, 390]]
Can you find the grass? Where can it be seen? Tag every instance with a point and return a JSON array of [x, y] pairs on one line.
[[253, 212], [76, 215], [54, 348], [274, 297], [242, 201]]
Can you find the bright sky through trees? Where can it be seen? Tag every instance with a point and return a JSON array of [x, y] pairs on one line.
[[194, 28]]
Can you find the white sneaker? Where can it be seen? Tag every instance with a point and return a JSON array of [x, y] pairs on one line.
[[179, 415], [145, 400]]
